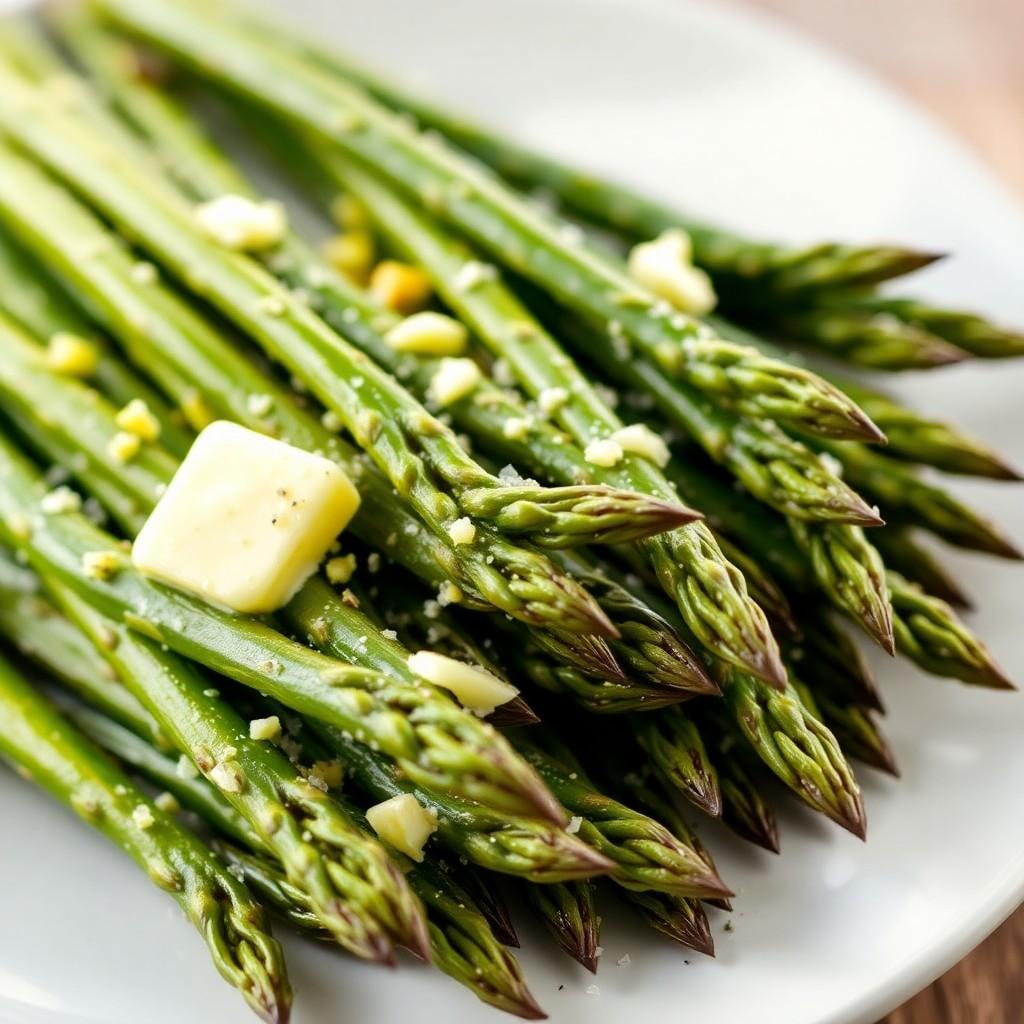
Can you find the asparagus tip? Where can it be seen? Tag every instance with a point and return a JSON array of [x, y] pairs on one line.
[[512, 713]]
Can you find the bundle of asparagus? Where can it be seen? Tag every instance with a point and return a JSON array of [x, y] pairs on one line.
[[677, 498]]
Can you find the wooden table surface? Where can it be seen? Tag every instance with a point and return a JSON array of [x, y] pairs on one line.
[[961, 60]]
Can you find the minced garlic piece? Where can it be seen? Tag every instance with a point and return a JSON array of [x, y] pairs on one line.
[[123, 447], [100, 565], [137, 419], [603, 452], [259, 405], [226, 775], [265, 728], [404, 823], [639, 439], [473, 687], [400, 286], [61, 499], [515, 428], [341, 569], [462, 531], [69, 354], [665, 267], [455, 379], [167, 802], [144, 273], [351, 253], [245, 520], [330, 773], [429, 333], [143, 817], [243, 224], [550, 400], [472, 273]]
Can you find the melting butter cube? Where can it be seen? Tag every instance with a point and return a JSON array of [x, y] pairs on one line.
[[473, 687], [245, 520], [404, 823]]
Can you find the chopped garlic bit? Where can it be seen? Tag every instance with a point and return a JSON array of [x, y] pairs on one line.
[[428, 333], [71, 355], [603, 452], [144, 273], [227, 776], [137, 419], [100, 565], [550, 400], [243, 224], [574, 825], [448, 593], [462, 531], [123, 447], [404, 823], [265, 728], [245, 520], [259, 405], [400, 286], [639, 439], [351, 253], [331, 421], [472, 273], [340, 569], [329, 773], [625, 960], [454, 379], [665, 267], [185, 768], [167, 802], [60, 499], [143, 817], [515, 428], [474, 687]]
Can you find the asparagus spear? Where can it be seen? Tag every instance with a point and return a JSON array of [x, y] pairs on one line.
[[167, 338], [875, 340], [682, 920], [859, 735], [745, 808], [492, 215], [645, 853], [908, 499], [964, 330], [569, 912], [747, 266], [51, 753], [929, 632], [422, 457]]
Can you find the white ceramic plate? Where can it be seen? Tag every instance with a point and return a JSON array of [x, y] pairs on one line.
[[738, 118]]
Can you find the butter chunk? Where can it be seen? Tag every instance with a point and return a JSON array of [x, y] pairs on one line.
[[429, 333], [665, 267], [245, 520], [473, 687], [404, 823]]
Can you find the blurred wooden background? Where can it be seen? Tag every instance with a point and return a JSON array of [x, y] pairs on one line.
[[961, 60]]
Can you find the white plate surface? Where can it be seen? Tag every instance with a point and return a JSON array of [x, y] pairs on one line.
[[741, 120]]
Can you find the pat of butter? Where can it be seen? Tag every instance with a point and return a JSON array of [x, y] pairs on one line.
[[472, 686], [245, 520], [404, 823]]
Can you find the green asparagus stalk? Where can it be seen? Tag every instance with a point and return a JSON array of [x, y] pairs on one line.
[[745, 808], [523, 847], [741, 265], [645, 853], [355, 891], [930, 633], [911, 559], [422, 457], [906, 498], [859, 735], [964, 330], [56, 757], [875, 340], [569, 912], [493, 216], [680, 919], [676, 752], [799, 749]]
